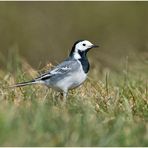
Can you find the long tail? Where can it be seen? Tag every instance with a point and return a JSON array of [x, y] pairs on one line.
[[24, 83]]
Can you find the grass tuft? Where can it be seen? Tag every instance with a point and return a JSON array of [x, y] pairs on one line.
[[100, 113]]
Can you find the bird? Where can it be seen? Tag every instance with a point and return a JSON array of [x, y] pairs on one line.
[[70, 73]]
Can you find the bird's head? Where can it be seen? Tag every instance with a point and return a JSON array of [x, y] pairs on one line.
[[81, 47]]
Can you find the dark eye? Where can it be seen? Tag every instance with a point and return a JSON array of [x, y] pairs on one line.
[[84, 44]]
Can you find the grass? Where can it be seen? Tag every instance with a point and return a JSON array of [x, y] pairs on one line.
[[107, 111]]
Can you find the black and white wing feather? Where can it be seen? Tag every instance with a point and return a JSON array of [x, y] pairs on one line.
[[64, 68]]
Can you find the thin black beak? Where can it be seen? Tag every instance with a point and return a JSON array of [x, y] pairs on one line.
[[94, 46]]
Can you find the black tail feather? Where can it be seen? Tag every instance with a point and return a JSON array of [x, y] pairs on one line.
[[24, 84]]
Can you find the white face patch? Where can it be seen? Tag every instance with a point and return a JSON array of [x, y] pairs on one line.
[[84, 45], [81, 46]]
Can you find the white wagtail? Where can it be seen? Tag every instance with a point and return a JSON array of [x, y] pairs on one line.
[[69, 74]]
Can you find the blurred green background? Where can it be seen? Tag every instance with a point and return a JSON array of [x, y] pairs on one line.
[[43, 32]]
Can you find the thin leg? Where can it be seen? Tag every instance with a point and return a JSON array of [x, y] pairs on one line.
[[63, 96]]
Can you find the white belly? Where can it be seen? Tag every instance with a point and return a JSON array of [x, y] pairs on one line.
[[72, 81]]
